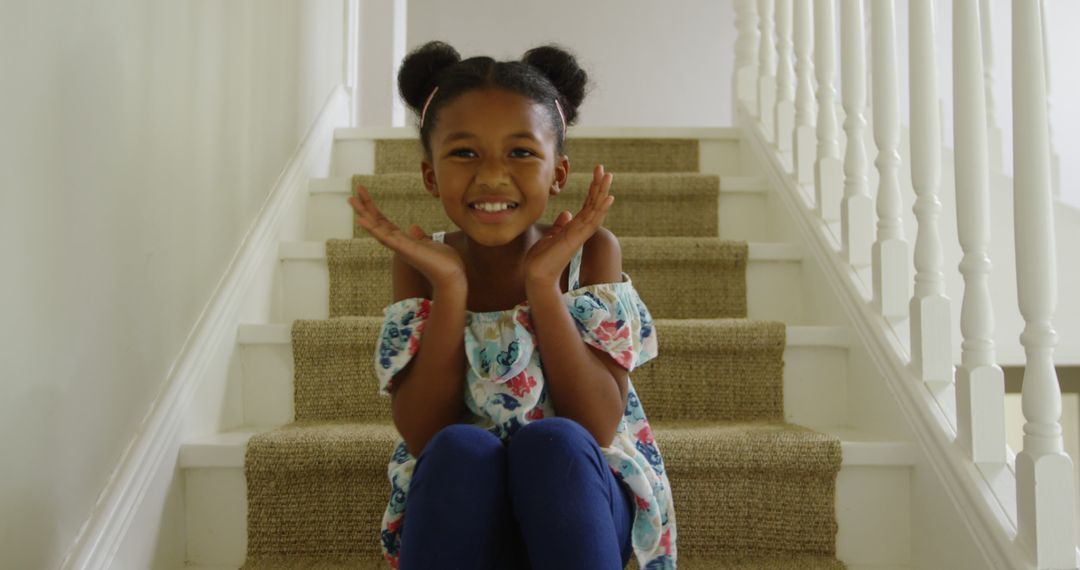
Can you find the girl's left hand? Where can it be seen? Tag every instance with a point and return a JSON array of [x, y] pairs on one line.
[[546, 259]]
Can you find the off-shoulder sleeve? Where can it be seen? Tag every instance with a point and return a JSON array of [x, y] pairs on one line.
[[613, 318], [399, 339]]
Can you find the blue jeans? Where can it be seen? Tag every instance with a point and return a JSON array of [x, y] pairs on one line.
[[545, 499]]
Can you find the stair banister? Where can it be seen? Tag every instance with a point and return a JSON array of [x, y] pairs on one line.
[[980, 383], [930, 324], [1044, 483], [1044, 472], [746, 55], [889, 255], [856, 209], [766, 66], [784, 112], [827, 168], [802, 147]]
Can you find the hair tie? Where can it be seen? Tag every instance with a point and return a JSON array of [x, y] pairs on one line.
[[426, 103]]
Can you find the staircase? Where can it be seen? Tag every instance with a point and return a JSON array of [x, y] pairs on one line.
[[750, 398]]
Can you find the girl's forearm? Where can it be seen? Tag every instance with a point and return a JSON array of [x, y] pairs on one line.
[[580, 386], [429, 391]]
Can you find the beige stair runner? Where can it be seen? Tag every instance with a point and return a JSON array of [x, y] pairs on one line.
[[751, 492]]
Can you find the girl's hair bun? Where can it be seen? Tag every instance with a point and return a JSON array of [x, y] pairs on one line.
[[420, 69], [562, 69]]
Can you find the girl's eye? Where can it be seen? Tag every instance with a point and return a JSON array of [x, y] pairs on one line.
[[459, 151]]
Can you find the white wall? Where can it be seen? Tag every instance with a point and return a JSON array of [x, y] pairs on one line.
[[139, 140], [652, 63]]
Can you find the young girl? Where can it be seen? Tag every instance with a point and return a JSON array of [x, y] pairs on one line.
[[507, 348]]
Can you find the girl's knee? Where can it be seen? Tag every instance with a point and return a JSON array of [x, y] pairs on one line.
[[554, 433], [464, 442]]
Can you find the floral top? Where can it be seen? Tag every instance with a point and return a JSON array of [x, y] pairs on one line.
[[505, 390]]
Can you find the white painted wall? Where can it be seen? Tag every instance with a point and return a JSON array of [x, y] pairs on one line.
[[139, 140], [652, 63]]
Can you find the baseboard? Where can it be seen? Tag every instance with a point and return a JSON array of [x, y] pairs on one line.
[[108, 539]]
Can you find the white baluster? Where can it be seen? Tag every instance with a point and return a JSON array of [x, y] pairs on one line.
[[784, 117], [890, 251], [993, 131], [980, 384], [857, 208], [803, 137], [746, 55], [828, 178], [1045, 489], [931, 328], [766, 68], [1055, 158]]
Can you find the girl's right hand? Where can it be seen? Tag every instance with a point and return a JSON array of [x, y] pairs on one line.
[[438, 262]]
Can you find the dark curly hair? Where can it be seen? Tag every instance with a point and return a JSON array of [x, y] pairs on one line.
[[544, 74]]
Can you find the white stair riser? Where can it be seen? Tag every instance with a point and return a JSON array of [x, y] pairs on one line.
[[743, 216], [815, 382], [217, 515], [772, 287], [716, 156]]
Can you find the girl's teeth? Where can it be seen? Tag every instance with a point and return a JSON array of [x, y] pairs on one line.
[[488, 207]]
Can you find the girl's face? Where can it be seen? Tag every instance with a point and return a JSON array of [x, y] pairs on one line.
[[494, 143]]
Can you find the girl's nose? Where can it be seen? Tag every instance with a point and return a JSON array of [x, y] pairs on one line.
[[492, 173]]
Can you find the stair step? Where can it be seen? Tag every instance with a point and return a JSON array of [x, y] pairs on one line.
[[664, 204], [217, 491], [814, 376], [862, 449], [858, 448], [715, 273], [707, 150]]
